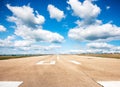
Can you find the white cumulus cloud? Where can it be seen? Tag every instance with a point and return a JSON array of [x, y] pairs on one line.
[[97, 47], [25, 18], [2, 28], [38, 35], [85, 10], [25, 15], [55, 13], [104, 47], [100, 45], [89, 28], [81, 51], [104, 32], [7, 42], [12, 46], [45, 48], [35, 47], [23, 43]]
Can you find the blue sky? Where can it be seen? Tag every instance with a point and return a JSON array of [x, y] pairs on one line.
[[59, 26]]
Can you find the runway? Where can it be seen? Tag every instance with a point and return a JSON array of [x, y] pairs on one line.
[[59, 71]]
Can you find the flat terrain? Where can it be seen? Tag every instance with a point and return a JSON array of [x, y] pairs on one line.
[[11, 57], [60, 71], [117, 55]]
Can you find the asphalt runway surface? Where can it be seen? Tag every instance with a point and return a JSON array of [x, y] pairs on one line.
[[59, 71]]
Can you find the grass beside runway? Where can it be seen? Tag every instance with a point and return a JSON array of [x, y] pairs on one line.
[[117, 56], [5, 57], [11, 57]]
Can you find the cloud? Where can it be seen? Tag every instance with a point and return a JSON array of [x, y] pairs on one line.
[[39, 35], [29, 35], [85, 10], [2, 28], [107, 7], [104, 32], [23, 43], [16, 48], [81, 51], [76, 51], [55, 13], [25, 15], [68, 8], [104, 47], [11, 42], [7, 42], [89, 28], [96, 47], [12, 46], [35, 47], [100, 45], [85, 23], [45, 48]]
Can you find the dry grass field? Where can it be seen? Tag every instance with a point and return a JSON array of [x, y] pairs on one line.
[[10, 57], [117, 56], [13, 57]]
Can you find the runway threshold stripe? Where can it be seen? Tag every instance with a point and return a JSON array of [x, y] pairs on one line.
[[40, 63], [46, 63], [109, 83], [75, 62], [52, 62], [10, 83]]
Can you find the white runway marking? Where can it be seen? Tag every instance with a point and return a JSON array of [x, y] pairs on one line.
[[46, 63], [52, 62], [40, 63], [75, 62], [58, 57], [110, 83], [10, 83]]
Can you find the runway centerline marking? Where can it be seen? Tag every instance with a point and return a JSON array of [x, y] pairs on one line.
[[10, 83], [58, 57], [109, 83], [75, 62]]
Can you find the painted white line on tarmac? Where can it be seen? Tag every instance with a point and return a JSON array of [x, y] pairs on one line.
[[46, 63], [109, 83], [40, 63], [52, 62], [10, 83], [75, 62], [58, 57]]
